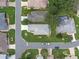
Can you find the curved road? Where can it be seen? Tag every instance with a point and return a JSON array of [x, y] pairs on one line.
[[21, 45]]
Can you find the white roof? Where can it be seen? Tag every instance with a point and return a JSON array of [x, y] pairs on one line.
[[39, 29], [2, 56]]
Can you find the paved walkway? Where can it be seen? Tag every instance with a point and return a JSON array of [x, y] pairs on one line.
[[12, 46], [24, 4], [50, 51], [12, 4], [12, 57], [39, 50], [23, 17], [72, 51], [12, 26], [74, 39], [24, 27]]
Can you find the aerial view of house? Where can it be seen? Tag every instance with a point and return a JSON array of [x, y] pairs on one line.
[[50, 24], [7, 26]]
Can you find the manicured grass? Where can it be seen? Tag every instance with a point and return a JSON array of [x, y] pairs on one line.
[[44, 53], [25, 22], [77, 27], [10, 13], [11, 52], [60, 53], [24, 0], [11, 36], [25, 11], [11, 0], [39, 38], [77, 52], [29, 54]]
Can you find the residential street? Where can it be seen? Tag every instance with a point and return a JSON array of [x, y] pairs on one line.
[[21, 45]]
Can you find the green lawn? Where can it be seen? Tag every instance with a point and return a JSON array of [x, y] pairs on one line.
[[60, 53], [10, 13], [11, 36], [29, 54], [77, 52], [24, 0], [11, 0], [35, 38], [77, 27], [25, 11], [11, 52], [44, 53]]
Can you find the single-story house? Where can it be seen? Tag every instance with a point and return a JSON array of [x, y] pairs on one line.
[[3, 22], [39, 29], [39, 57], [71, 57], [3, 43], [37, 16], [3, 3], [66, 25], [37, 4], [3, 56], [50, 57]]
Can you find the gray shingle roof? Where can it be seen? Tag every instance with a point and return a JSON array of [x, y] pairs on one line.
[[3, 42], [66, 24], [3, 23], [39, 29], [3, 3], [37, 16]]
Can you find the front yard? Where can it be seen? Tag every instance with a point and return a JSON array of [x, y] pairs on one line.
[[77, 27], [11, 52], [29, 54], [27, 36], [32, 53], [10, 13], [11, 36]]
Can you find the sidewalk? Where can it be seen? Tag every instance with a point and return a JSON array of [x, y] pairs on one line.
[[11, 4], [24, 3], [11, 26], [24, 27], [23, 17], [12, 46], [72, 51]]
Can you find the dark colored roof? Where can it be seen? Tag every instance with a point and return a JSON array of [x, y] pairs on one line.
[[3, 23]]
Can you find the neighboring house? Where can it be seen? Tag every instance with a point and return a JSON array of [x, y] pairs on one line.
[[50, 57], [3, 3], [66, 25], [3, 43], [39, 57], [37, 4], [3, 56], [37, 16], [3, 22], [39, 29], [71, 57]]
